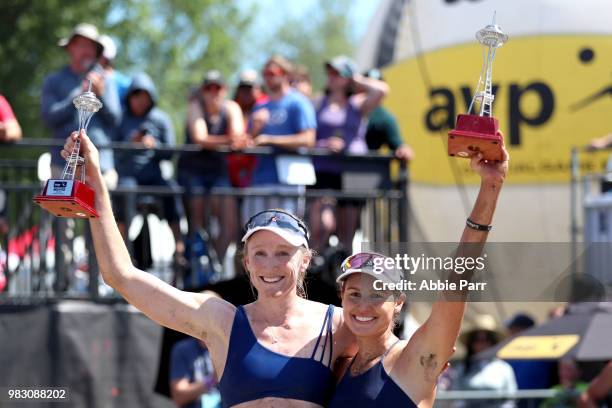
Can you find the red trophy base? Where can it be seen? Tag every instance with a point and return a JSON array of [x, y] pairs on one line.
[[68, 198], [475, 134]]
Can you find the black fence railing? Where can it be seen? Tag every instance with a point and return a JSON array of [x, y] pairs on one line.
[[44, 257]]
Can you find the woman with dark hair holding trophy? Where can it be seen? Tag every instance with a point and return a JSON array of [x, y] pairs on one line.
[[387, 371]]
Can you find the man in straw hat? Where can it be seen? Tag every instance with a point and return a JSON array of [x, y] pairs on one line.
[[59, 114]]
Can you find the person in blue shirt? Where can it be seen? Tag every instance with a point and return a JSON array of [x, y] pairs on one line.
[[193, 383], [61, 87], [83, 48], [146, 125], [286, 121]]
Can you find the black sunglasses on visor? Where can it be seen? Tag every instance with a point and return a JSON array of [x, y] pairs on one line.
[[281, 219]]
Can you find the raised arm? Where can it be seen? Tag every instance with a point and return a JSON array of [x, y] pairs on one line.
[[438, 334], [373, 91], [195, 314]]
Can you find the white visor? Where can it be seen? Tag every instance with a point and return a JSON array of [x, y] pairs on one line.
[[293, 237]]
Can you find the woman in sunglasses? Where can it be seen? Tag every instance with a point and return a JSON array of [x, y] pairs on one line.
[[277, 351], [388, 372]]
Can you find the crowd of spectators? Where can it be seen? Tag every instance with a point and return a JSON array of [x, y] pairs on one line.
[[278, 109]]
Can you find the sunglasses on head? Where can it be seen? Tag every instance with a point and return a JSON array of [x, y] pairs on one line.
[[281, 219], [360, 261]]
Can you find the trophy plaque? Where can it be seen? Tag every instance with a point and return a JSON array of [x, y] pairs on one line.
[[479, 133], [70, 197]]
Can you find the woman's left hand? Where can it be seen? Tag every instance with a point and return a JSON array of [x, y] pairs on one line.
[[491, 171]]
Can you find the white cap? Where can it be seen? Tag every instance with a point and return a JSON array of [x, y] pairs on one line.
[[293, 237], [110, 49], [384, 270]]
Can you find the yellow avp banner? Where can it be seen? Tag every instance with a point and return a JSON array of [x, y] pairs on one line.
[[552, 87]]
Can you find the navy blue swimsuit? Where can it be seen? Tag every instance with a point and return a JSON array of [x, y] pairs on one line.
[[252, 371], [373, 388]]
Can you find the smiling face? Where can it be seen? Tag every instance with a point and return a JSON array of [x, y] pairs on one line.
[[368, 312], [275, 267]]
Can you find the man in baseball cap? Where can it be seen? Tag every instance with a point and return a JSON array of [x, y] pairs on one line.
[[343, 65]]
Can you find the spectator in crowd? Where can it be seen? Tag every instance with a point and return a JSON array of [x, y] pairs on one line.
[[248, 93], [212, 121], [61, 87], [341, 122], [107, 61], [476, 373], [599, 389], [10, 130], [83, 48], [569, 388], [519, 323], [383, 129], [148, 126], [192, 379], [530, 374], [193, 383], [300, 80], [287, 121]]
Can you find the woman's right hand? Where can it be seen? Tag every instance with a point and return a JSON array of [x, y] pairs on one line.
[[87, 150]]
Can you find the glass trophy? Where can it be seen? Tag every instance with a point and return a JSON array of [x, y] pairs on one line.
[[479, 132], [68, 196]]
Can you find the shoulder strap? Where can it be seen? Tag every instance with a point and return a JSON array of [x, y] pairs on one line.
[[241, 322], [388, 350], [330, 334], [327, 326]]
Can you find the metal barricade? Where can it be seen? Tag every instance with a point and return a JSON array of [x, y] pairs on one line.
[[42, 261], [519, 398]]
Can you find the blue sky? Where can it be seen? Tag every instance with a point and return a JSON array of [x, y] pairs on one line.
[[360, 13]]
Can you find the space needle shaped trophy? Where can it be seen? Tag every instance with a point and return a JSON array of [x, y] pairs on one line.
[[479, 132], [70, 197]]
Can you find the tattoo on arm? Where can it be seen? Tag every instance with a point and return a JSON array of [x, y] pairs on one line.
[[429, 364]]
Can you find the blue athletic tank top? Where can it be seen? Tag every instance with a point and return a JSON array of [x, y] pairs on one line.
[[252, 371], [373, 388]]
